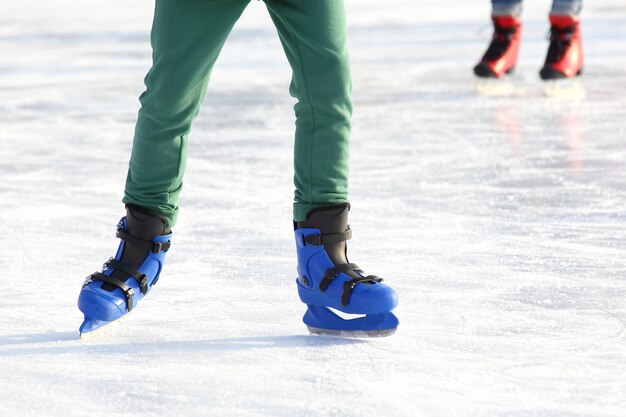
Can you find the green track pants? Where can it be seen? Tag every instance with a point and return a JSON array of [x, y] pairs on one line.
[[187, 37]]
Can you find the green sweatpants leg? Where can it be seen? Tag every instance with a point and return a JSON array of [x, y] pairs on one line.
[[187, 36]]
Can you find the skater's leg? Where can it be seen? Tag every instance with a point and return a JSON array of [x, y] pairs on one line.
[[187, 36], [313, 34], [565, 53], [501, 55], [108, 295], [326, 279]]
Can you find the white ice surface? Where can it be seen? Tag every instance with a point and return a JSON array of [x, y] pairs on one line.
[[500, 221]]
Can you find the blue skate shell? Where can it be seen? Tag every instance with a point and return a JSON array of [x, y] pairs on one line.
[[322, 320], [101, 307], [375, 300]]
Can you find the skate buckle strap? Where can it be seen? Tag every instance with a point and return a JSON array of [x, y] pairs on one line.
[[505, 32], [318, 240], [160, 246], [560, 40], [348, 286], [141, 278], [565, 33], [332, 273], [500, 43], [152, 246], [128, 291]]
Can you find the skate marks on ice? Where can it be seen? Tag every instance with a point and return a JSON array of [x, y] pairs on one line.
[[36, 338], [569, 89], [62, 343]]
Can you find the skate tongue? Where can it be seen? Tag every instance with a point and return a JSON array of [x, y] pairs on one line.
[[331, 220], [145, 224]]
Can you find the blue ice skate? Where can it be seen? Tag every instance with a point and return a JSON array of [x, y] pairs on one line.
[[327, 280], [125, 279]]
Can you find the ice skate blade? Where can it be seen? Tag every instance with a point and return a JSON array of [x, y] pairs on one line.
[[356, 334], [323, 321], [494, 87], [93, 328], [565, 89]]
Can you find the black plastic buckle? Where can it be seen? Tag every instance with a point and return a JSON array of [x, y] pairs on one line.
[[330, 275], [160, 246], [348, 286], [315, 240], [129, 298], [143, 281]]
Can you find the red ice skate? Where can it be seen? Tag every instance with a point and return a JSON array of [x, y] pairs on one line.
[[565, 54], [501, 56]]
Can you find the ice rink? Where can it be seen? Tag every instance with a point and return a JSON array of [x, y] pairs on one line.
[[501, 221]]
